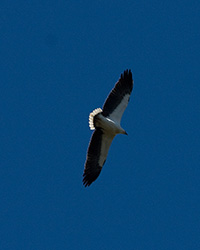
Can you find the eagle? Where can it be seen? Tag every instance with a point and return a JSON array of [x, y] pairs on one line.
[[106, 124]]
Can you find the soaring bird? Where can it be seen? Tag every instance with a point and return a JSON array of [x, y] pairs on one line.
[[106, 124]]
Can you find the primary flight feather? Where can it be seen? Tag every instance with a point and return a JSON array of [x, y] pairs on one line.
[[106, 124]]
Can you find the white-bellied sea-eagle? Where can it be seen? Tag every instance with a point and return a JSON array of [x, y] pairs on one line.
[[106, 124]]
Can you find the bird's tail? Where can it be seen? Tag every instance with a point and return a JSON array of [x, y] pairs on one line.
[[91, 117]]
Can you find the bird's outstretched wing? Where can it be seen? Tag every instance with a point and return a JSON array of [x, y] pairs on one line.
[[96, 155], [118, 98]]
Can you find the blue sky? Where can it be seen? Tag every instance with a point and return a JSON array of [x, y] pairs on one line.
[[59, 60]]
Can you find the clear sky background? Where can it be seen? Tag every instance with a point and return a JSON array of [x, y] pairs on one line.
[[58, 62]]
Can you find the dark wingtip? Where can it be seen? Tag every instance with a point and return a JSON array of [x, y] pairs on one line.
[[127, 77], [89, 176], [127, 72]]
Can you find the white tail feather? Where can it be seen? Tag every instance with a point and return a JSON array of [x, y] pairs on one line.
[[91, 117]]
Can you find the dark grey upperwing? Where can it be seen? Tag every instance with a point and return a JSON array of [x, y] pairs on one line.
[[119, 96], [92, 168]]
